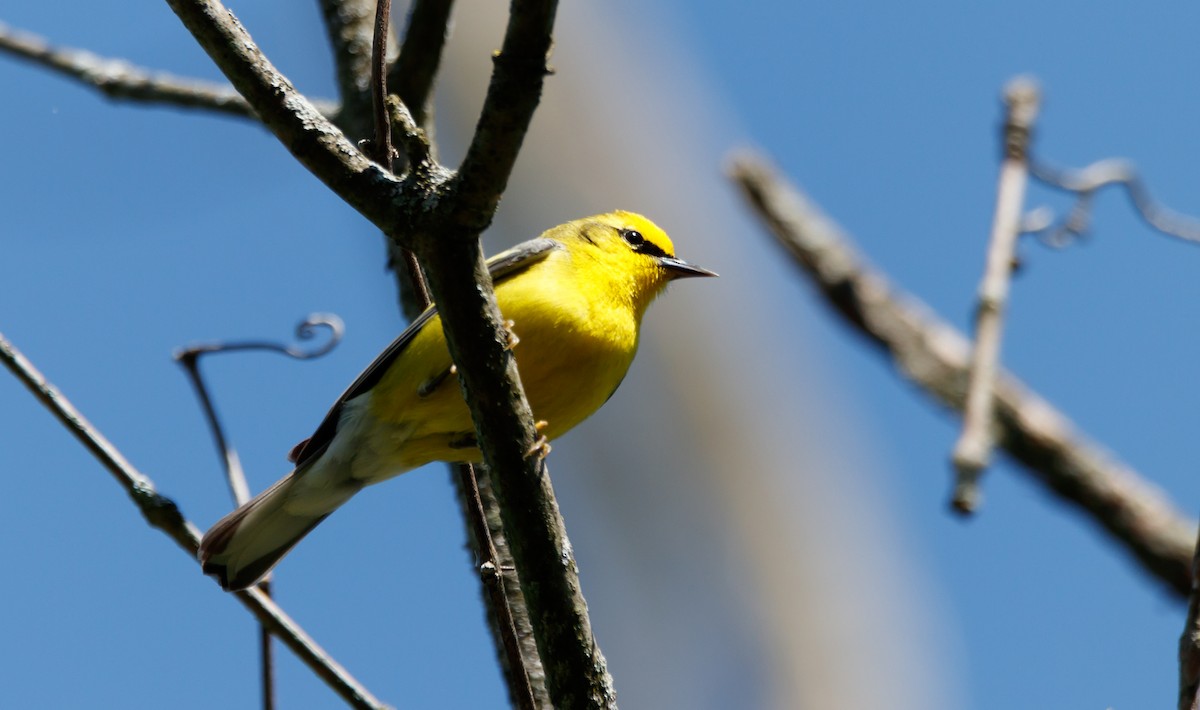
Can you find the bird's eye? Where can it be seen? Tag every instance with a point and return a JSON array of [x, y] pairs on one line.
[[634, 237]]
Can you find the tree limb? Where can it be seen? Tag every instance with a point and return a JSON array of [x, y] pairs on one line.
[[441, 221], [118, 79], [162, 513], [933, 355]]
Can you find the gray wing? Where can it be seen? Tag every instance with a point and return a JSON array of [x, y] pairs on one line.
[[502, 266]]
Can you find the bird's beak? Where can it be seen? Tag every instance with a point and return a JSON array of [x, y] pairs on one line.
[[680, 269]]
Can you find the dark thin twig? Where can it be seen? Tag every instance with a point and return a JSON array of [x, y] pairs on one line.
[[1085, 183], [933, 355], [1189, 644], [520, 690], [382, 140], [118, 79], [973, 449], [189, 360], [266, 654], [163, 514]]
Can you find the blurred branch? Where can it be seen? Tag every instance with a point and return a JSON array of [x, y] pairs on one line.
[[412, 74], [974, 446], [1085, 183], [349, 25], [162, 513], [932, 355], [118, 79]]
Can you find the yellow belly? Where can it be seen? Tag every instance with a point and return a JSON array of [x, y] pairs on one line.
[[571, 357]]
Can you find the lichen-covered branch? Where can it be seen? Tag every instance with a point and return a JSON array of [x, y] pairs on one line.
[[119, 79], [933, 355], [162, 513]]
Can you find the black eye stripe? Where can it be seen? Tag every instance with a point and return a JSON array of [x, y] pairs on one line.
[[635, 239]]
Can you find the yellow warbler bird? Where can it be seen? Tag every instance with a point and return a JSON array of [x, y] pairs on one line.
[[575, 297]]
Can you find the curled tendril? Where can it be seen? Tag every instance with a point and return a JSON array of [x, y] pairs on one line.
[[1084, 184], [305, 330]]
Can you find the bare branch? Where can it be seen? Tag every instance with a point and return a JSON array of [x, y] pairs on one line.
[[974, 446], [932, 355], [118, 79], [162, 513], [1087, 182], [381, 142]]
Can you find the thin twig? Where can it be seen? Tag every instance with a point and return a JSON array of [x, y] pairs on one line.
[[119, 79], [382, 138], [934, 356], [1189, 644], [974, 446], [163, 514], [1085, 183], [189, 359], [520, 687]]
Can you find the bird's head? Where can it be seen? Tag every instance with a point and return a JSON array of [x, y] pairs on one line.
[[625, 254]]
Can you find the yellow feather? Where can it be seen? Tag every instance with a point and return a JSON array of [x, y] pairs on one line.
[[575, 298]]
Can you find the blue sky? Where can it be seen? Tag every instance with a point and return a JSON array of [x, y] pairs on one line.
[[130, 231]]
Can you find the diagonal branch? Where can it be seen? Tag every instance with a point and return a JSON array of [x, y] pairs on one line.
[[162, 513], [118, 79], [933, 355]]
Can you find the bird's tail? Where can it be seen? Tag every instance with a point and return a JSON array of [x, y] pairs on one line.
[[243, 546]]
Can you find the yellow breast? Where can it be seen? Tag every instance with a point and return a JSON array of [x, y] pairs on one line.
[[573, 352]]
